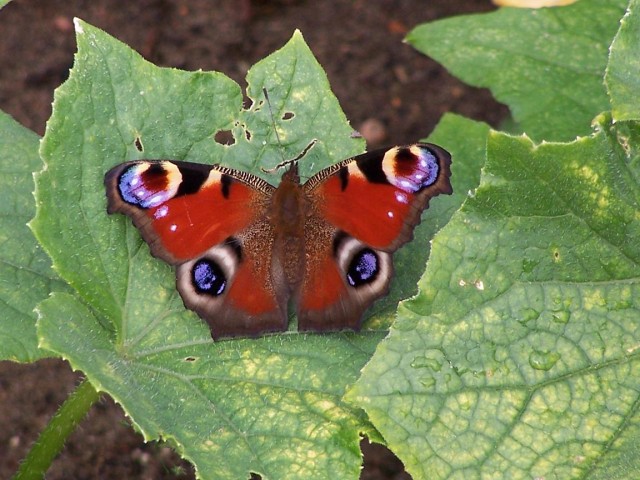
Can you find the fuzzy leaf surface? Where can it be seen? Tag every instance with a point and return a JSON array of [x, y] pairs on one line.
[[519, 357], [623, 70], [545, 64], [26, 277]]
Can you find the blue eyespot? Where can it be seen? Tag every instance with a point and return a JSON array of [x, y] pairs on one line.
[[414, 171], [144, 188], [208, 278], [364, 268]]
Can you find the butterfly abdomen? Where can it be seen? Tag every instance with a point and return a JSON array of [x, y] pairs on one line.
[[288, 211]]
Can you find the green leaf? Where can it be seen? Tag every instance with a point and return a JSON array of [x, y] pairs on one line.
[[623, 70], [466, 141], [545, 64], [271, 405], [519, 357], [26, 277]]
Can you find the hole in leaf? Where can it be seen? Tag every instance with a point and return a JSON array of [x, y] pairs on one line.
[[190, 359], [138, 144], [224, 137], [380, 462], [246, 102], [258, 105], [255, 476], [247, 134], [288, 115]]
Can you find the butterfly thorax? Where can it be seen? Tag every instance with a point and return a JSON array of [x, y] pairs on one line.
[[288, 206]]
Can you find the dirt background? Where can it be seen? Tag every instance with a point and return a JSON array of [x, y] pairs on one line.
[[390, 92]]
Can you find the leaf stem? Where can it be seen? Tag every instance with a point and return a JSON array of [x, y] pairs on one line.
[[52, 438]]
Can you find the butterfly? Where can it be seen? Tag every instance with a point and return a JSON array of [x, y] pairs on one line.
[[244, 250]]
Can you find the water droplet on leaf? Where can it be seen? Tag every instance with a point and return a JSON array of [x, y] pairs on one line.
[[561, 317], [425, 362], [542, 360], [428, 382]]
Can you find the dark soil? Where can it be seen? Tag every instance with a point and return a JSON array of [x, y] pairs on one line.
[[391, 93]]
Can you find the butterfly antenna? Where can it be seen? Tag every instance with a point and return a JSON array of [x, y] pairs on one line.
[[284, 162], [273, 122]]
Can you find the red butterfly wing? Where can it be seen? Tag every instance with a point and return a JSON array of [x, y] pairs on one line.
[[378, 197], [211, 222], [363, 209]]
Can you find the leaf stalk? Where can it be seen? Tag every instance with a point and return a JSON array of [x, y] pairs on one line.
[[51, 440]]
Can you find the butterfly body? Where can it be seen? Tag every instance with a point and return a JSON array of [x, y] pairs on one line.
[[244, 250]]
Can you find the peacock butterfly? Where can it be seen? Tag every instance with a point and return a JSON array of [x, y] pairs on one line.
[[244, 249]]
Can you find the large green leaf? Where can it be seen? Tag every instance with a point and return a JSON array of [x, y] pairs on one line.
[[466, 141], [271, 405], [545, 64], [623, 70], [26, 277], [519, 357]]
